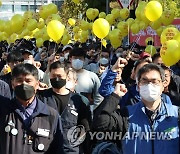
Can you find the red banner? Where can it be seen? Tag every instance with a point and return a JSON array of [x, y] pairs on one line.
[[149, 32]]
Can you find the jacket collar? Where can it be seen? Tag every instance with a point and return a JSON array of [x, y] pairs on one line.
[[41, 108], [163, 110]]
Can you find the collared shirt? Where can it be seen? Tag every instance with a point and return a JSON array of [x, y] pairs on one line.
[[153, 114], [27, 111]]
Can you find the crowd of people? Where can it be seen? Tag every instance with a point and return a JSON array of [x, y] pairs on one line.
[[47, 91]]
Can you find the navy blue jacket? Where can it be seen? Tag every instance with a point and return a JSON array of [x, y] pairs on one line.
[[44, 135]]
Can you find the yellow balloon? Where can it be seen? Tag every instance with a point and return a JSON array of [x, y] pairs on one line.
[[168, 34], [76, 1], [102, 15], [75, 29], [71, 21], [153, 10], [2, 25], [84, 34], [90, 25], [124, 13], [150, 49], [130, 21], [116, 44], [55, 17], [39, 42], [8, 28], [32, 24], [115, 35], [84, 25], [110, 18], [65, 39], [101, 28], [159, 31], [123, 27], [55, 29], [170, 52], [156, 24], [116, 13], [92, 13], [142, 25], [138, 12], [43, 12], [17, 22], [52, 8], [167, 17], [177, 37], [135, 28], [104, 43], [41, 24]]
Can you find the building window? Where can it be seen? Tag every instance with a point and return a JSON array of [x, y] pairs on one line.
[[6, 8], [21, 8]]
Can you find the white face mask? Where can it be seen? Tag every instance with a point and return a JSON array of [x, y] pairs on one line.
[[61, 59], [27, 62], [77, 64], [150, 92], [66, 55], [103, 61], [118, 54]]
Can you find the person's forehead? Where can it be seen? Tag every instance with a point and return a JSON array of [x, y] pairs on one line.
[[153, 74], [58, 71], [25, 76], [167, 72], [105, 53]]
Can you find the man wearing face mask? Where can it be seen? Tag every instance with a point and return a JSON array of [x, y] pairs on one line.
[[143, 123], [88, 82], [101, 65], [27, 124], [70, 105]]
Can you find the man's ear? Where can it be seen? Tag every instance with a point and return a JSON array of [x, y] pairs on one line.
[[37, 85]]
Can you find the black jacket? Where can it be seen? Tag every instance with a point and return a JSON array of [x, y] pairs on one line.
[[75, 113], [31, 140]]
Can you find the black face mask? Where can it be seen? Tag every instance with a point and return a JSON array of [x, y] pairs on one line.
[[24, 91], [58, 83]]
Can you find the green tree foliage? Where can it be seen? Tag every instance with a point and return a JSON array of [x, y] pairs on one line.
[[99, 4], [71, 10]]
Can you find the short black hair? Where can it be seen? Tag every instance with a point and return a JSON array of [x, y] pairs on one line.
[[140, 62], [149, 67], [155, 56], [106, 50], [25, 69], [79, 52], [57, 64], [15, 57]]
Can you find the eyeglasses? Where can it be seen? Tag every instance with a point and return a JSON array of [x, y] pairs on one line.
[[144, 81]]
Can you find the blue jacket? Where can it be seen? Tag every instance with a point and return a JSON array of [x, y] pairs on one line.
[[165, 124], [136, 128]]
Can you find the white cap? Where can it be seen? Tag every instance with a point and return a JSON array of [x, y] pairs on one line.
[[67, 46]]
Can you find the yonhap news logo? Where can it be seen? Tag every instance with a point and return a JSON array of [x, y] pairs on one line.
[[76, 135]]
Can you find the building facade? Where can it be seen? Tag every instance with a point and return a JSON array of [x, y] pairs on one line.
[[11, 7]]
